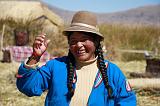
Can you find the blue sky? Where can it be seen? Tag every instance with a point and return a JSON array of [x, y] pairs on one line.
[[100, 5]]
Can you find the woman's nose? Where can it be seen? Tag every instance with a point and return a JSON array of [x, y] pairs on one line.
[[79, 44]]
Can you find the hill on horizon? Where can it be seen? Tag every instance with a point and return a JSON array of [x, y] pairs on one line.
[[146, 15]]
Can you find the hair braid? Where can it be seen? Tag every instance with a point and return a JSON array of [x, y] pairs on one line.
[[70, 74], [102, 68]]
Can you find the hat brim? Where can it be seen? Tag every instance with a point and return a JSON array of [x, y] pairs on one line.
[[82, 29]]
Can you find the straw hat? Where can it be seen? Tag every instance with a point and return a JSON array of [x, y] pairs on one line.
[[84, 21]]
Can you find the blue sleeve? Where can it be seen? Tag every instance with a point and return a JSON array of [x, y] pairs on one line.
[[124, 95], [33, 82]]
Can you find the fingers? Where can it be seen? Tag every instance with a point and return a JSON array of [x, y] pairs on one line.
[[40, 44], [41, 40], [47, 42], [38, 41]]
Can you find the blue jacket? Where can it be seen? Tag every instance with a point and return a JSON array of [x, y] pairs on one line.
[[53, 77]]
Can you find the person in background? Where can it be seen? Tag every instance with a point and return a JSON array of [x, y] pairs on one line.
[[82, 77], [21, 37]]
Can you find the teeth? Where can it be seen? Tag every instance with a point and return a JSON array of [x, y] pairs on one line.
[[80, 52]]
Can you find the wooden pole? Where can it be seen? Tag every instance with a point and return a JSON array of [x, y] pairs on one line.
[[2, 36]]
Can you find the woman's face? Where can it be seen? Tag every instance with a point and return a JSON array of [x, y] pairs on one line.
[[82, 46]]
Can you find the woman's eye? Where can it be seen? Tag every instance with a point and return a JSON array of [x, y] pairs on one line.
[[84, 40], [73, 42]]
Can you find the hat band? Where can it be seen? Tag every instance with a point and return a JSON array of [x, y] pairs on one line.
[[85, 25]]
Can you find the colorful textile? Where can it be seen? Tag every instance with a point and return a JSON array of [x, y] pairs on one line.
[[20, 53], [53, 77]]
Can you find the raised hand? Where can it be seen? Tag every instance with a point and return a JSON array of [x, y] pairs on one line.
[[40, 45]]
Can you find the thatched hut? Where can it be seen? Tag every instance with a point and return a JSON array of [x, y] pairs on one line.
[[32, 17], [27, 12]]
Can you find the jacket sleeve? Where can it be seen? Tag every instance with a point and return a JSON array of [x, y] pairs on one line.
[[33, 82], [125, 96]]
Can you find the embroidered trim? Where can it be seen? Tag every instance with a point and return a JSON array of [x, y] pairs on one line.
[[99, 79], [128, 86], [18, 76]]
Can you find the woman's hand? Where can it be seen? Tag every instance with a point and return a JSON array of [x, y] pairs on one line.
[[40, 45]]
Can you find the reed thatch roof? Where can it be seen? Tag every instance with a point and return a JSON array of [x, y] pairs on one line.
[[27, 10], [33, 16]]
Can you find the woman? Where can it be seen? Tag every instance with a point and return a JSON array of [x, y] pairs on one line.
[[81, 78]]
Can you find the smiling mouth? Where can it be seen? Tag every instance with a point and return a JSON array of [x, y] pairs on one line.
[[81, 52]]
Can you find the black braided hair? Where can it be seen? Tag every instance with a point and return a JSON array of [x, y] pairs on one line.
[[70, 74], [102, 68]]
